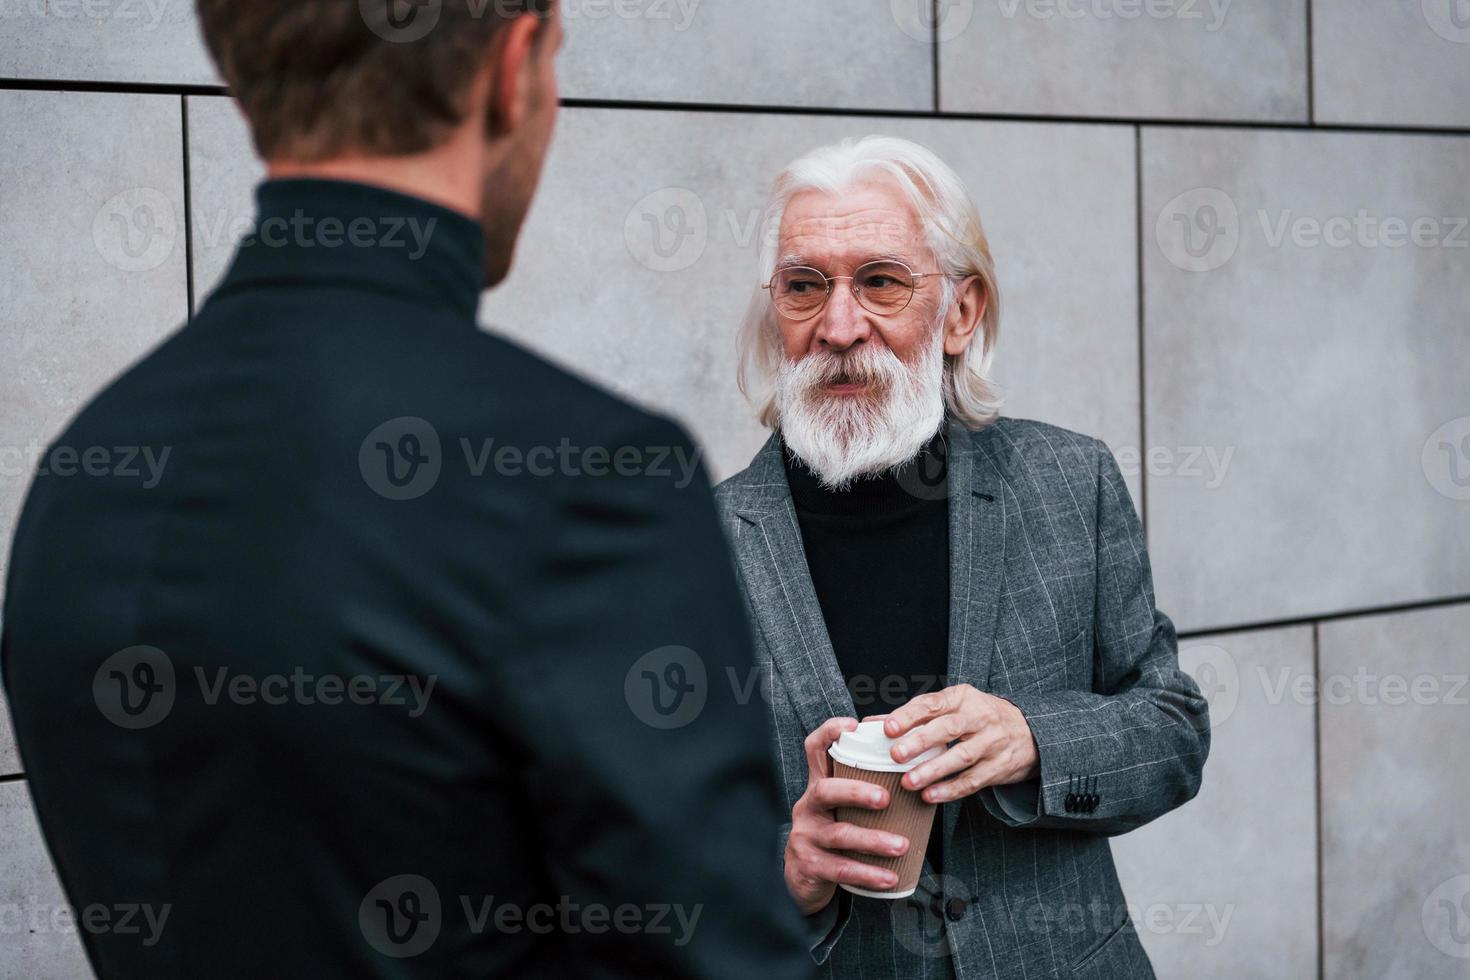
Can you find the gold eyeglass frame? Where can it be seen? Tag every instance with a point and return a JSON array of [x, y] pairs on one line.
[[917, 277]]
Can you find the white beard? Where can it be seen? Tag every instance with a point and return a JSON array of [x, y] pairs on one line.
[[843, 437]]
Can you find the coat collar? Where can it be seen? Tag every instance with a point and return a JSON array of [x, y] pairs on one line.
[[331, 232]]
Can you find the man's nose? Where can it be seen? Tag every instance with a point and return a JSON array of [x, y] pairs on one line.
[[844, 321]]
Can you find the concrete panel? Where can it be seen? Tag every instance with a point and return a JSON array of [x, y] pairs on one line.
[[1226, 886], [38, 929], [1392, 62], [1396, 855], [1306, 348], [1179, 59]]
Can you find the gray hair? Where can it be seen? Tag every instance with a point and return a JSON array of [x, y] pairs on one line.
[[952, 226]]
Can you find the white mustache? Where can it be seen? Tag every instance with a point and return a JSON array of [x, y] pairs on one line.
[[878, 368]]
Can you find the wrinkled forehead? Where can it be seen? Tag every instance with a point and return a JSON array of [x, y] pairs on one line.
[[836, 232]]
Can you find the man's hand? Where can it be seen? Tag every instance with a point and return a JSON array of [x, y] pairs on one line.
[[813, 868], [993, 744]]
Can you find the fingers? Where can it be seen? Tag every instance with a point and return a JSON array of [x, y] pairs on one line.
[[967, 783], [849, 837], [831, 793], [925, 707], [957, 759], [818, 763], [935, 734], [827, 866]]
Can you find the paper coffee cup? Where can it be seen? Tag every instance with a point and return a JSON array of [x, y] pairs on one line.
[[867, 755]]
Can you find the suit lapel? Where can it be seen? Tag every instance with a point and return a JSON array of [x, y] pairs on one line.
[[977, 528], [771, 557]]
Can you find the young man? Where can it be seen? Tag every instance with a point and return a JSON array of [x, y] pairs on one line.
[[348, 692]]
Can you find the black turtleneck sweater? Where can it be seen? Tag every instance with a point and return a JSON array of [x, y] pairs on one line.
[[878, 553]]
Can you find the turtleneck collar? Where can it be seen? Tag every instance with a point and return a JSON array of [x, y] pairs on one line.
[[331, 231], [921, 481]]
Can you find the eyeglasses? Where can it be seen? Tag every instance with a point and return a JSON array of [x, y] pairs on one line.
[[883, 287]]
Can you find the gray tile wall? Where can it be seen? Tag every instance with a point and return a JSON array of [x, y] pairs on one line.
[[1395, 737], [38, 930], [1305, 313], [1392, 62], [755, 52], [1212, 902], [139, 41], [1266, 318], [91, 213], [1179, 59]]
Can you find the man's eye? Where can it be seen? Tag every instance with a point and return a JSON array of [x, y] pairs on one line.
[[881, 282], [800, 286]]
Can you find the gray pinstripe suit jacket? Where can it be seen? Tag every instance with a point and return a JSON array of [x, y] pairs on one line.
[[1052, 607]]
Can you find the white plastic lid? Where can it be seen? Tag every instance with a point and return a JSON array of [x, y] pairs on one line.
[[868, 748]]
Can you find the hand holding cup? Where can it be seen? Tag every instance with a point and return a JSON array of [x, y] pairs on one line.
[[825, 850]]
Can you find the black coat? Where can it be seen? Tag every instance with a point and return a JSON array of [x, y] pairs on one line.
[[219, 663]]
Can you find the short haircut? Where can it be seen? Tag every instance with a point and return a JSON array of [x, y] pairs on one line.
[[320, 78]]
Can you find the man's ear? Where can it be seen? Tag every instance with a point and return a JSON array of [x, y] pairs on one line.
[[965, 316], [510, 75]]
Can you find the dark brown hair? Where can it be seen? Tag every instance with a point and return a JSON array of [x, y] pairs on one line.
[[317, 78]]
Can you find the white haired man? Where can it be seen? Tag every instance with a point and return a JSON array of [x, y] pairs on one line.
[[981, 580]]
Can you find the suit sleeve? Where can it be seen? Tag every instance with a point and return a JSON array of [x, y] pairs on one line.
[[648, 761], [1134, 747]]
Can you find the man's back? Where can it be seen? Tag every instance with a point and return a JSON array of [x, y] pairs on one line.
[[346, 685]]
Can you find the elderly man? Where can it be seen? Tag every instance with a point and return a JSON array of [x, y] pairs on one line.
[[981, 580]]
